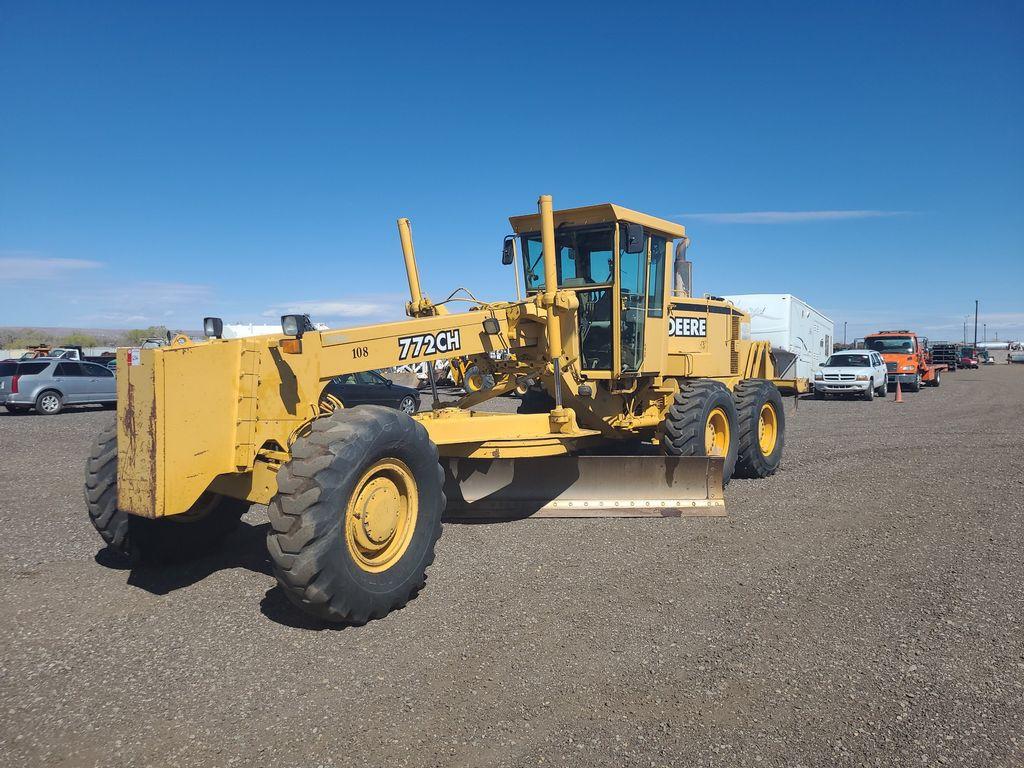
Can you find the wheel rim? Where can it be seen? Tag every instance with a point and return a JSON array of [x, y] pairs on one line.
[[716, 433], [49, 402], [767, 429], [474, 382], [381, 515], [407, 405]]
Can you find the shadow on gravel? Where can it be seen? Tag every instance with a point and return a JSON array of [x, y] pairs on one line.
[[275, 606], [69, 410], [245, 548]]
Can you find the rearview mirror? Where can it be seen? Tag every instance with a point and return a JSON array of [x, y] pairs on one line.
[[634, 236], [508, 251]]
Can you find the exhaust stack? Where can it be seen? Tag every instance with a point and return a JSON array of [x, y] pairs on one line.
[[682, 283]]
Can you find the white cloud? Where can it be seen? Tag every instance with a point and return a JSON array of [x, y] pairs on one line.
[[935, 325], [15, 266], [787, 217], [345, 309], [146, 303]]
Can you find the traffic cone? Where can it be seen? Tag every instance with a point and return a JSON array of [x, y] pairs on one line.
[[899, 392]]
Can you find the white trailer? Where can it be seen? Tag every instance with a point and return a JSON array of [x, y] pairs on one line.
[[792, 326]]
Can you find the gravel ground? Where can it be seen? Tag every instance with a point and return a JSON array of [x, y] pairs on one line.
[[862, 607]]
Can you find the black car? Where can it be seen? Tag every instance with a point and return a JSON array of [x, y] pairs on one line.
[[370, 388]]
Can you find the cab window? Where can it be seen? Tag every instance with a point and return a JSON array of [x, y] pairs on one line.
[[656, 277], [583, 257]]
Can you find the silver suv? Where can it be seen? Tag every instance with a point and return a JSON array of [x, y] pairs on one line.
[[48, 385]]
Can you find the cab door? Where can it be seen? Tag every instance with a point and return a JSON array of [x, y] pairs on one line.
[[630, 311]]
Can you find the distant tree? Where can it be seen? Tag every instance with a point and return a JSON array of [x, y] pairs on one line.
[[29, 338], [136, 336], [79, 339]]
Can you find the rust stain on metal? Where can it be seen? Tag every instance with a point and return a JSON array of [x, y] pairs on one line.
[[152, 456], [128, 420]]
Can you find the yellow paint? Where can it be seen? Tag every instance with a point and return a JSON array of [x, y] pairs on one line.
[[381, 515], [767, 429], [717, 434], [222, 414]]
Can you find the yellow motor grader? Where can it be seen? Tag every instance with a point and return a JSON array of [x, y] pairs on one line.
[[608, 330]]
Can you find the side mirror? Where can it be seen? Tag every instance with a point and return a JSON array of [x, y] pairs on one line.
[[388, 382], [634, 235], [508, 251]]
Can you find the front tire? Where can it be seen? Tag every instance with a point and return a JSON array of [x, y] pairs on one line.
[[148, 541], [869, 393], [915, 385], [702, 421], [408, 405], [761, 428], [357, 515], [50, 402]]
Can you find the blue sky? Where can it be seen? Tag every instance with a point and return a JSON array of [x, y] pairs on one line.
[[160, 162]]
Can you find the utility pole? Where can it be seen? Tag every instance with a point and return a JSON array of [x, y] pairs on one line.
[[984, 331], [965, 330], [844, 333], [975, 324]]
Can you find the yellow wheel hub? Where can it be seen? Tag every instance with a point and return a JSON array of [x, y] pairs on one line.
[[767, 429], [475, 382], [381, 515], [716, 433]]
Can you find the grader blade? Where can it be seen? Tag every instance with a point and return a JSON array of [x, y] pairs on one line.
[[583, 486]]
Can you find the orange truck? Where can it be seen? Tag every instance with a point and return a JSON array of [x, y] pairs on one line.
[[907, 359]]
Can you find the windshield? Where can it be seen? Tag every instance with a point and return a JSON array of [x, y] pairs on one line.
[[584, 257], [899, 345], [848, 361]]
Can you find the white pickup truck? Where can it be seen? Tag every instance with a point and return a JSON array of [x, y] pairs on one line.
[[852, 372]]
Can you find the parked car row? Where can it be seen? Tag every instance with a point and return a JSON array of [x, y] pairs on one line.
[[892, 358], [860, 372], [48, 385]]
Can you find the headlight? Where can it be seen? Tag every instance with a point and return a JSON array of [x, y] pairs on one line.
[[293, 325], [908, 367], [213, 327], [818, 377], [862, 378]]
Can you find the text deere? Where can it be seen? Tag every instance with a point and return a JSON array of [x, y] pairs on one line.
[[688, 326]]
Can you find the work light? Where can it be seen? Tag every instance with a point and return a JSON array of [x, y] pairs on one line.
[[213, 327], [293, 325]]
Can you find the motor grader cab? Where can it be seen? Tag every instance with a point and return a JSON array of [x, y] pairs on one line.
[[356, 496]]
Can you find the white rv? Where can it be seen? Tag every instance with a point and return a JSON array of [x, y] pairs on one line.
[[792, 326]]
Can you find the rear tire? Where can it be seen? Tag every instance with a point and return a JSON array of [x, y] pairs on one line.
[[357, 515], [50, 402], [937, 380], [684, 428], [883, 389], [761, 430], [476, 381], [144, 540]]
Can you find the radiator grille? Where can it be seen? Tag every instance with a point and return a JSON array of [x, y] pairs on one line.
[[734, 336]]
